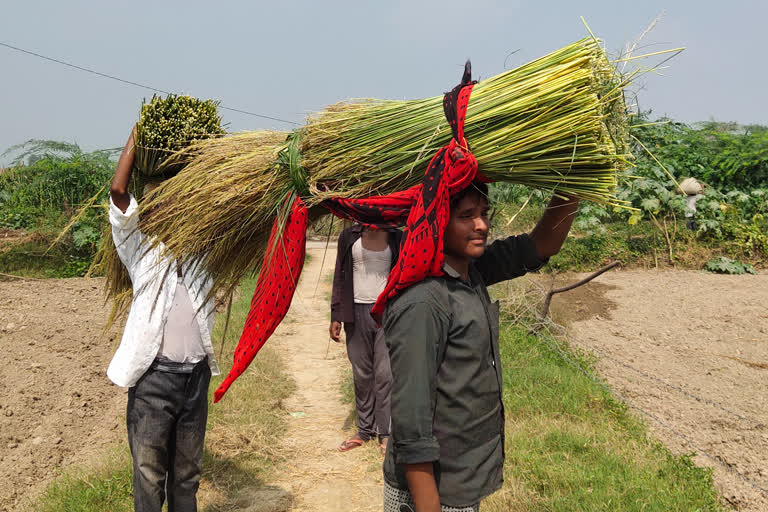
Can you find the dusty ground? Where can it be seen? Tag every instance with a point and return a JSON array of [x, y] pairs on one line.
[[57, 406], [705, 336], [691, 349]]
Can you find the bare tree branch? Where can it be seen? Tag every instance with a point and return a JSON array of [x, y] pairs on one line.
[[548, 299]]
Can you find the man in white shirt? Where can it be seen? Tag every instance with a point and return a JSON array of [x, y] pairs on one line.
[[363, 262], [165, 357]]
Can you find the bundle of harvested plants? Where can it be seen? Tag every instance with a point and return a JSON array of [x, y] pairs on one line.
[[558, 123], [242, 203]]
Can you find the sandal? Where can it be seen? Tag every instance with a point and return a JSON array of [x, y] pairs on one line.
[[351, 443]]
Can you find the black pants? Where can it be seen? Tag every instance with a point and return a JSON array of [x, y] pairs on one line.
[[367, 351], [166, 416]]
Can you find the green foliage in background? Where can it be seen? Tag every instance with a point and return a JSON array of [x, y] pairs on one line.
[[725, 265], [730, 218], [724, 155], [51, 176], [40, 193]]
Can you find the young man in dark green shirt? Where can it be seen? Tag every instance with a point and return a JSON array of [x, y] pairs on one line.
[[447, 446]]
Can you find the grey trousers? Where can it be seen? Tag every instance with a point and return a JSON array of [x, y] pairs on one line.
[[166, 417], [369, 356]]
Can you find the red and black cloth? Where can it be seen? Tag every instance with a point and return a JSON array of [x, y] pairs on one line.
[[423, 209]]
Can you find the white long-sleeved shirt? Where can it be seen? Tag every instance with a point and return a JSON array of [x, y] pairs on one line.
[[151, 272]]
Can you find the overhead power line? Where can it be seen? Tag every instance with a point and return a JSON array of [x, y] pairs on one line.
[[135, 84]]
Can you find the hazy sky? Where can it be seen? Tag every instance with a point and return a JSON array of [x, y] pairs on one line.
[[286, 59]]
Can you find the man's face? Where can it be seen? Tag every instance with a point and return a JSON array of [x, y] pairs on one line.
[[467, 230]]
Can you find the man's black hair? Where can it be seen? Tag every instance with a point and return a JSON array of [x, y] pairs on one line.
[[476, 188]]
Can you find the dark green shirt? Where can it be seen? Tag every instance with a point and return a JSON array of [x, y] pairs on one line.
[[443, 339]]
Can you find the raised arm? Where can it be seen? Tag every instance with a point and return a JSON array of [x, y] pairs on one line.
[[553, 227], [119, 189]]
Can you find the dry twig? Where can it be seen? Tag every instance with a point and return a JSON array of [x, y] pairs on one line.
[[548, 299]]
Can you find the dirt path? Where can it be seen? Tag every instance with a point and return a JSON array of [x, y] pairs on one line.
[[57, 406], [320, 478], [691, 349]]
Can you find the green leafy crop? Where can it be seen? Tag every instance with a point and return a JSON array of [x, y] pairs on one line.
[[725, 265]]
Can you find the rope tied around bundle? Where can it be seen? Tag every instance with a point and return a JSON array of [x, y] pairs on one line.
[[289, 158]]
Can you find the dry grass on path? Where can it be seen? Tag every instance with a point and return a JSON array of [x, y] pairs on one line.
[[317, 476]]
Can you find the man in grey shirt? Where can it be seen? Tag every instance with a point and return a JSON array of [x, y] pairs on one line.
[[447, 439]]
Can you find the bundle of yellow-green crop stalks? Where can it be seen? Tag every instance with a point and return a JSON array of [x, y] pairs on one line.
[[558, 123], [166, 126], [170, 124]]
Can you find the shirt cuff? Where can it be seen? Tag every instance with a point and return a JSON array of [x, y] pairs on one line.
[[125, 220], [416, 451], [531, 261]]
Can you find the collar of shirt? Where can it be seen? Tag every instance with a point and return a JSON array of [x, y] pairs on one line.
[[452, 272]]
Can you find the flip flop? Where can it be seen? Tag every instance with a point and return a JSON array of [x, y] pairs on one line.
[[350, 444]]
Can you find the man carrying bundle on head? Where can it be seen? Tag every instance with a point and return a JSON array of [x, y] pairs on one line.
[[364, 259], [165, 358], [447, 448]]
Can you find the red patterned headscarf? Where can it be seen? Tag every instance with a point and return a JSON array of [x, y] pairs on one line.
[[423, 209]]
